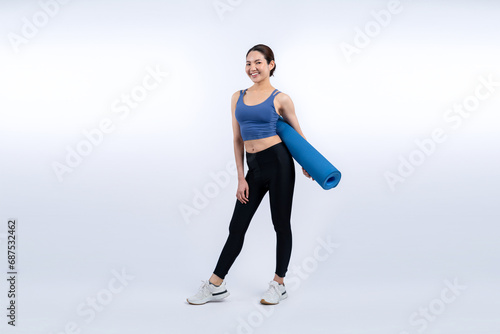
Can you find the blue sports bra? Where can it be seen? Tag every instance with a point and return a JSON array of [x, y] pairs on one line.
[[258, 121]]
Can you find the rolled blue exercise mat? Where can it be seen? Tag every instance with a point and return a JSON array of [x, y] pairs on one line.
[[321, 170]]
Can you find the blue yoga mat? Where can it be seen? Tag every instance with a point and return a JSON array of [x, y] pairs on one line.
[[321, 170]]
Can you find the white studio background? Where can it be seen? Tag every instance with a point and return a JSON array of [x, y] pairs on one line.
[[401, 96]]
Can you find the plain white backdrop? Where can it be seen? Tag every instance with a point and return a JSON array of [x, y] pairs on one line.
[[117, 154]]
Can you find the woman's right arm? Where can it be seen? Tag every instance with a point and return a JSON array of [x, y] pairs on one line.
[[239, 149]]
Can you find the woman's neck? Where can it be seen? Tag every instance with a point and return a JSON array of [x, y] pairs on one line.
[[262, 86]]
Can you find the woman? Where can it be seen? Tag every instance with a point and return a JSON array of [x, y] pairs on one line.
[[255, 112]]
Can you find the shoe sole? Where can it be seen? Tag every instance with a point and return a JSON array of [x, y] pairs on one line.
[[265, 302], [211, 299]]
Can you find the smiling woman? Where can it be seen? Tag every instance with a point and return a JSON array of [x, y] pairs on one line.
[[260, 64], [255, 112]]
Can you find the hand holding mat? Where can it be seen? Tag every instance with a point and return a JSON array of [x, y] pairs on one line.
[[307, 156]]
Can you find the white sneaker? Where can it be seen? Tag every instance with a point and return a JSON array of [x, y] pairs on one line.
[[209, 292], [274, 294]]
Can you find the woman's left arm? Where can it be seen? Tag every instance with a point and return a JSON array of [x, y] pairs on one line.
[[287, 110]]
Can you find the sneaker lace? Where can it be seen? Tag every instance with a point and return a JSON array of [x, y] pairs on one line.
[[273, 288], [203, 286], [202, 289]]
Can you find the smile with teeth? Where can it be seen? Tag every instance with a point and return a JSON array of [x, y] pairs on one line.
[[254, 74]]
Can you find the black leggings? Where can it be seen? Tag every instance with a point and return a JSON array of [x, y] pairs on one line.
[[270, 169]]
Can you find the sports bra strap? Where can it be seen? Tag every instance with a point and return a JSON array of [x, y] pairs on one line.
[[274, 93]]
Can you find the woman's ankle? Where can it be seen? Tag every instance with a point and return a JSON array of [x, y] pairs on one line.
[[215, 280], [279, 279]]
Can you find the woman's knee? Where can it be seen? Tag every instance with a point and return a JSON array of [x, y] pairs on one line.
[[283, 229], [237, 230]]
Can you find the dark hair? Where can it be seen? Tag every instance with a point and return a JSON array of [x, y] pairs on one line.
[[267, 52]]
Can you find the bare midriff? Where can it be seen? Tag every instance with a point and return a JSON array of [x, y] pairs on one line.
[[257, 145]]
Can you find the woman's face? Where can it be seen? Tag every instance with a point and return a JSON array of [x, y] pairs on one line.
[[257, 68]]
